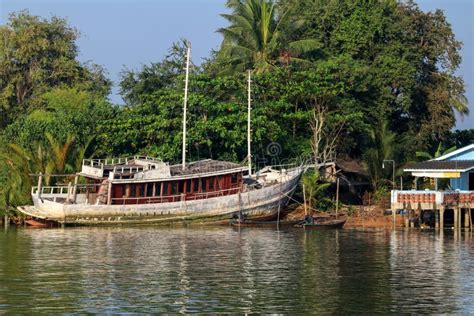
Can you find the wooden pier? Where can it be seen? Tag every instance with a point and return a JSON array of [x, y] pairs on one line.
[[450, 208]]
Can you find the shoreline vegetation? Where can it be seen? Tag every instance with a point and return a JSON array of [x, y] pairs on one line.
[[348, 82]]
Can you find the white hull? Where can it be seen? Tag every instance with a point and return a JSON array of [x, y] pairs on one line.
[[257, 203]]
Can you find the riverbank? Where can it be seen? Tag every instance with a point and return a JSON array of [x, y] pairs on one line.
[[358, 217]]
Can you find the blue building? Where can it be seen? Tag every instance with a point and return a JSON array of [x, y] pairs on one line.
[[447, 203], [457, 166]]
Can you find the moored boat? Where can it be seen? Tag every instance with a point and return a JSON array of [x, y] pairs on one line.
[[322, 223], [145, 190], [260, 223]]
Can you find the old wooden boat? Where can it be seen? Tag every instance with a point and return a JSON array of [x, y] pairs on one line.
[[144, 190], [147, 190], [260, 223]]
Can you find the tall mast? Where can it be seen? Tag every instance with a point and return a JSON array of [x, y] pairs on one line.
[[249, 99], [188, 56]]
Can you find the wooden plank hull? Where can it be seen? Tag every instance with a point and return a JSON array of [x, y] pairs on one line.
[[254, 204]]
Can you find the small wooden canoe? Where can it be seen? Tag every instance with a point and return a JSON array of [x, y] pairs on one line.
[[251, 223], [330, 223]]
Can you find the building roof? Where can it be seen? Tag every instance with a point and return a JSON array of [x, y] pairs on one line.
[[455, 153], [444, 165]]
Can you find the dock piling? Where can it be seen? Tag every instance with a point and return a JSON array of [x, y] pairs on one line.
[[441, 217], [7, 221], [466, 218]]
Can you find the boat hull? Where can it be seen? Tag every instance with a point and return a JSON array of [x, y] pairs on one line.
[[254, 204], [328, 224]]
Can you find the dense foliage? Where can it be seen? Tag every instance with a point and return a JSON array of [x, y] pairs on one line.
[[364, 80]]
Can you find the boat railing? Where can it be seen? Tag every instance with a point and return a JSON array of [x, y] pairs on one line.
[[129, 169], [147, 158], [64, 189], [51, 190], [100, 163], [284, 166]]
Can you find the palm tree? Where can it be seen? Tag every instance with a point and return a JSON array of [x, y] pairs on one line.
[[382, 140], [59, 158], [21, 162], [254, 39], [313, 188]]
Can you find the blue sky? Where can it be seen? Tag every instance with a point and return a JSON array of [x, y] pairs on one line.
[[126, 33]]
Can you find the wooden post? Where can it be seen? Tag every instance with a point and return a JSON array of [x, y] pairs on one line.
[[456, 217], [337, 197], [69, 192], [304, 201], [436, 214], [109, 193], [74, 190], [408, 217], [466, 218], [441, 217], [279, 206], [7, 221], [394, 217], [470, 218]]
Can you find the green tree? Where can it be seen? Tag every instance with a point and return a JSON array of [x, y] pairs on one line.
[[254, 39], [35, 55]]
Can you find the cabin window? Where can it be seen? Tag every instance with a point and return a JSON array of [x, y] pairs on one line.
[[149, 189], [234, 178], [174, 188], [181, 187], [211, 183], [140, 190], [196, 185], [189, 188], [133, 190], [203, 184], [165, 189]]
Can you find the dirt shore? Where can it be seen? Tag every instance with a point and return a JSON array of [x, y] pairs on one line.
[[362, 217]]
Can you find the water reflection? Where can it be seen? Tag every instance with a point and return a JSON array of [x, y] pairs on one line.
[[222, 269]]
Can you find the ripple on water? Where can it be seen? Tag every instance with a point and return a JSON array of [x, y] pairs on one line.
[[221, 269]]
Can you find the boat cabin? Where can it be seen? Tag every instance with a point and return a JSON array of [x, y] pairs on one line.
[[143, 180]]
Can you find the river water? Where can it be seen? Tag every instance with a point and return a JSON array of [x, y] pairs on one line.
[[224, 269]]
